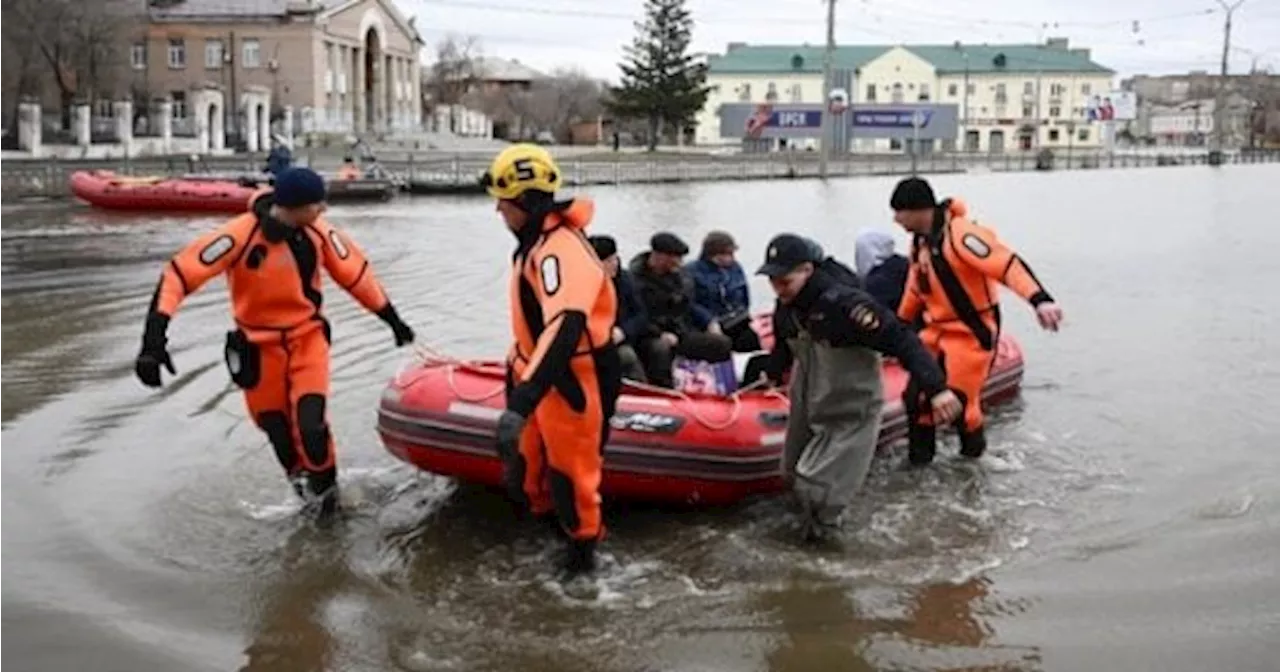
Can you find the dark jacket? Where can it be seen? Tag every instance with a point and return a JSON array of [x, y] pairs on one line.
[[841, 315], [279, 160], [887, 281], [632, 317], [721, 291], [668, 299]]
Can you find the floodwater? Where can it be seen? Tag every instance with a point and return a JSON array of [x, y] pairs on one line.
[[1128, 518]]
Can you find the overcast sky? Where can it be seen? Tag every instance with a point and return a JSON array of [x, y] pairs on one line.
[[1171, 36]]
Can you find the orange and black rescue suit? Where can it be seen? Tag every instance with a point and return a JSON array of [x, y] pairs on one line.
[[279, 352], [954, 282], [563, 371]]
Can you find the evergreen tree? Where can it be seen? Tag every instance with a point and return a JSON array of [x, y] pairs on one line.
[[661, 81]]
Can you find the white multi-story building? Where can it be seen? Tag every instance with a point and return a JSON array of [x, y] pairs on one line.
[[1010, 97]]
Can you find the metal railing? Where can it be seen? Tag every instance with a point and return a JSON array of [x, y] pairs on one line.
[[433, 173]]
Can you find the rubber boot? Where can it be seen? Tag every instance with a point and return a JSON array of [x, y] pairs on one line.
[[922, 444], [973, 444], [580, 558]]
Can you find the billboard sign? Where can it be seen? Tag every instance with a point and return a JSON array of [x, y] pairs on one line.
[[1114, 106], [934, 122], [770, 120], [804, 120]]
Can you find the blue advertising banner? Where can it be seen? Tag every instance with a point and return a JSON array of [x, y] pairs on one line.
[[890, 118], [871, 120], [796, 119]]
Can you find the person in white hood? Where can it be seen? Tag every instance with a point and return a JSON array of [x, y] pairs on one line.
[[882, 271]]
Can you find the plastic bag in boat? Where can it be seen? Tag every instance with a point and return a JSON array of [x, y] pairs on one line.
[[693, 376]]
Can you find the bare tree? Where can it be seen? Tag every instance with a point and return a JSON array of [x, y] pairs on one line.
[[454, 70], [568, 96], [79, 44]]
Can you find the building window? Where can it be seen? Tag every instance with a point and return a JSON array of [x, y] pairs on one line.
[[1083, 135], [771, 92], [797, 93], [1001, 96], [1055, 111], [1028, 88], [871, 93], [252, 54], [138, 56], [924, 92], [1086, 89], [895, 144], [1053, 135], [1056, 90], [744, 93], [179, 104], [177, 54], [1027, 112], [213, 54], [970, 89], [952, 89], [897, 92]]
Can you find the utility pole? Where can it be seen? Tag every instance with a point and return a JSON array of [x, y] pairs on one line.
[[828, 55], [1221, 101]]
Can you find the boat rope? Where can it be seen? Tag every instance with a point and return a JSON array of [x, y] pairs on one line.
[[432, 357]]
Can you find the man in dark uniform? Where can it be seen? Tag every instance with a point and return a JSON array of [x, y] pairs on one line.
[[835, 333]]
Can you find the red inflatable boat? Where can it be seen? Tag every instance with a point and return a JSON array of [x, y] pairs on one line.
[[105, 189], [441, 416]]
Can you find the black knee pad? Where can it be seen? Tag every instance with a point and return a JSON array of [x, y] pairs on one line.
[[562, 496], [313, 429], [275, 424]]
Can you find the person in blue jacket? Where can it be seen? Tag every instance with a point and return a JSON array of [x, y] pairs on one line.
[[280, 159], [633, 320], [720, 287], [883, 272]]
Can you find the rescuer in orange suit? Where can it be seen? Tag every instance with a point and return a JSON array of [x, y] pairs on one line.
[[563, 371], [279, 351], [957, 267]]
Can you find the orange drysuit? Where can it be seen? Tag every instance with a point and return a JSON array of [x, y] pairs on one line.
[[954, 280], [279, 352], [563, 369]]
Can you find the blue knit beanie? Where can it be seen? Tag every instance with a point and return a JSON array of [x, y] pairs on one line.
[[299, 186]]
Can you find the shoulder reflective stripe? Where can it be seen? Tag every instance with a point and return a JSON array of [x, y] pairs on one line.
[[217, 249], [550, 271], [865, 317], [976, 245], [338, 248]]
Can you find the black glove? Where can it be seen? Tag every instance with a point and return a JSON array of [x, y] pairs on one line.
[[510, 425], [402, 332], [154, 352]]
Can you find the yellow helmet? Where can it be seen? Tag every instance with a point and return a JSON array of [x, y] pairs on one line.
[[519, 168]]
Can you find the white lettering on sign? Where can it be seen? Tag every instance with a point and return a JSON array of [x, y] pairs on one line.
[[792, 119]]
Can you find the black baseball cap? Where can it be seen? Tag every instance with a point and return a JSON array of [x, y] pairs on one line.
[[784, 253]]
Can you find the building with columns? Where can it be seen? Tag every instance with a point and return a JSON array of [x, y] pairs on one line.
[[337, 66]]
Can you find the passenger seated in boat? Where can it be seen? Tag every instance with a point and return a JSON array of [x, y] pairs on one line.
[[677, 325], [632, 318], [720, 287], [883, 272], [349, 169]]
